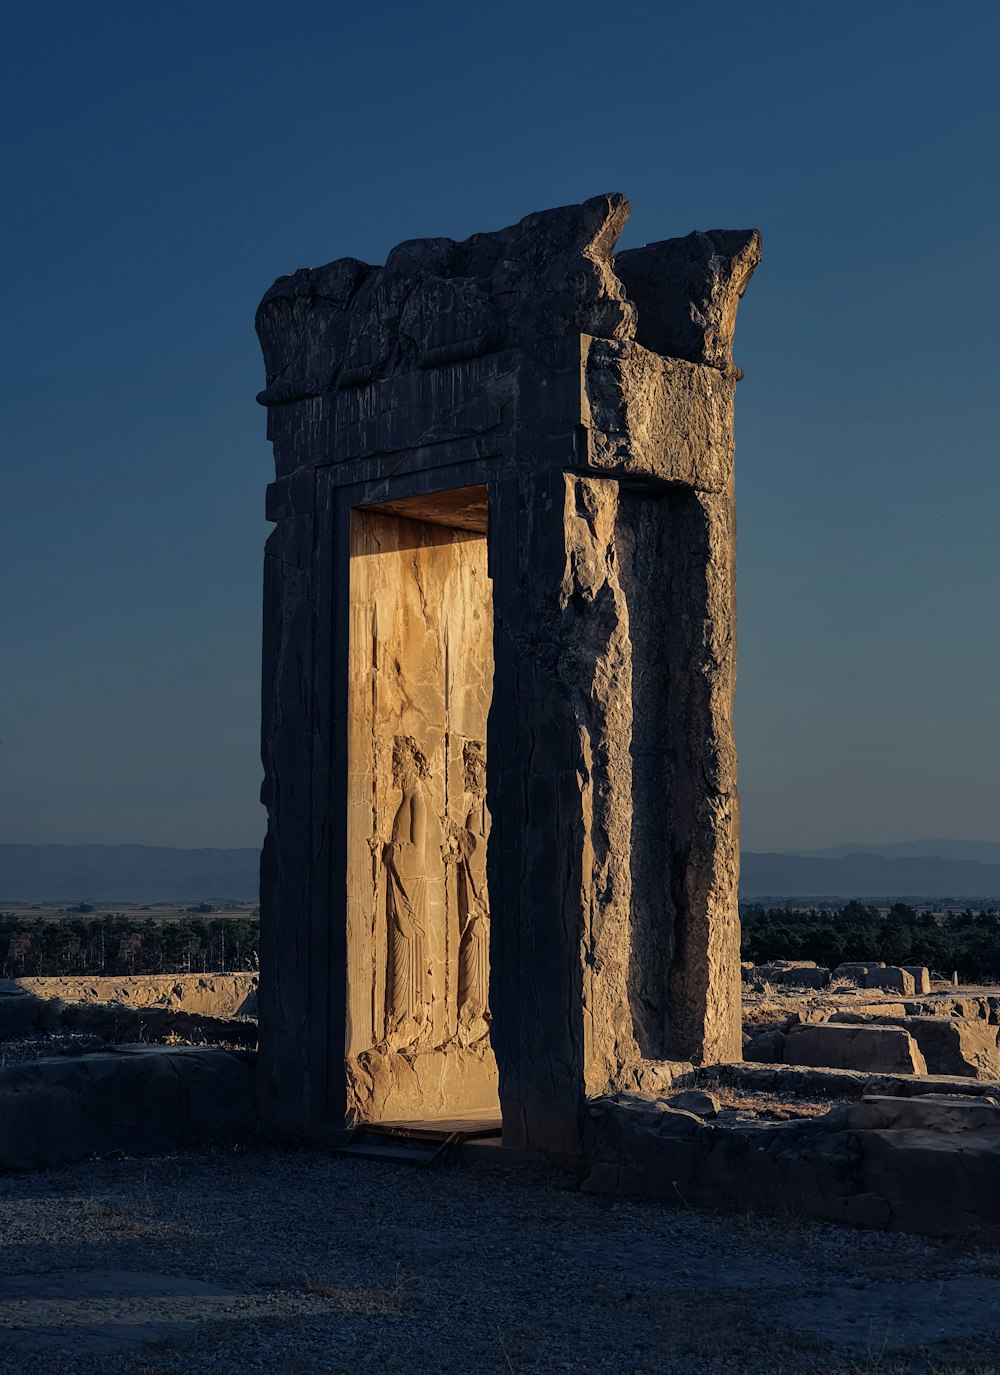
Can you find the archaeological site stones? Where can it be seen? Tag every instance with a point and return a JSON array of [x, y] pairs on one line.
[[501, 862]]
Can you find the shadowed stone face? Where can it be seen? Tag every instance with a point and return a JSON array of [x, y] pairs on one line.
[[498, 675], [437, 302]]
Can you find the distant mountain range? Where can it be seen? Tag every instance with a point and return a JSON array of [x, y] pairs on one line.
[[156, 873], [125, 873], [982, 851], [876, 871]]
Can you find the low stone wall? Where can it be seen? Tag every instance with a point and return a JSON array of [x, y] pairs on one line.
[[139, 1100], [924, 1163]]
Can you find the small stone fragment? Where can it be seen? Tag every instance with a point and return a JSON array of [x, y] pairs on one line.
[[921, 977], [698, 1101]]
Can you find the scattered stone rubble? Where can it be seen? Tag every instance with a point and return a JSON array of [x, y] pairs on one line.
[[801, 1014], [908, 979]]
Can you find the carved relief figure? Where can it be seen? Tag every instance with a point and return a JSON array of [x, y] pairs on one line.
[[407, 858], [473, 902]]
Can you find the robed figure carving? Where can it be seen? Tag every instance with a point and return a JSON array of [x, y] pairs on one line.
[[407, 862], [473, 902]]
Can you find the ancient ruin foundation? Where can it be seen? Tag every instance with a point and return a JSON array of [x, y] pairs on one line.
[[502, 851]]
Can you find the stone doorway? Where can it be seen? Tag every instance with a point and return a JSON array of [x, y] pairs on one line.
[[420, 681], [591, 392]]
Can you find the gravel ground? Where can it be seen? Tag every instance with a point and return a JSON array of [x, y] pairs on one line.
[[254, 1260]]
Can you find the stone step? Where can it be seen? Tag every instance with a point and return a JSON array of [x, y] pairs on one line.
[[421, 1151]]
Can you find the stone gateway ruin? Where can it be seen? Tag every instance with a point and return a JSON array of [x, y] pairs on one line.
[[502, 855], [499, 886]]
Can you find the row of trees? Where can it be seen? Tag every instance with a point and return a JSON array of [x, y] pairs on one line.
[[113, 943], [968, 941]]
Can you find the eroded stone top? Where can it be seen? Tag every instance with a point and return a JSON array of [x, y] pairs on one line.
[[437, 301]]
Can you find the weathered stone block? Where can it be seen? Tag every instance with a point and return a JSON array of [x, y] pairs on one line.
[[890, 977], [18, 1013], [928, 1112], [872, 1011], [767, 1047], [696, 1101], [853, 971], [690, 288], [921, 977], [950, 1045], [805, 976], [875, 1049]]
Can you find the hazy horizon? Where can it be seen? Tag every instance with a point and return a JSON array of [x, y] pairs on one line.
[[949, 870], [167, 165]]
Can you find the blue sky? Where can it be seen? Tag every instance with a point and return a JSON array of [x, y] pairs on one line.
[[165, 163]]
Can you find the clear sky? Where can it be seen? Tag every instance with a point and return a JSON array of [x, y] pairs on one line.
[[164, 163]]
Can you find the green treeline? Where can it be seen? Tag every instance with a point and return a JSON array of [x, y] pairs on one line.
[[968, 941], [113, 943]]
